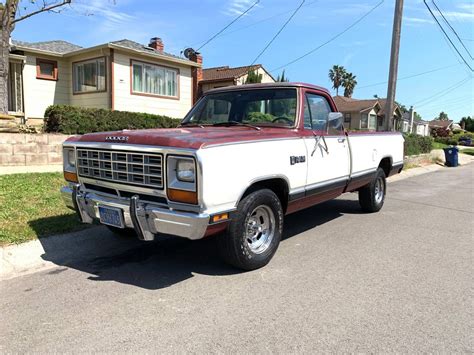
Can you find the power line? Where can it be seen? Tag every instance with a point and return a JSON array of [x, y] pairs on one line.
[[233, 21], [411, 76], [449, 39], [278, 32], [330, 40], [451, 27], [258, 22], [435, 96]]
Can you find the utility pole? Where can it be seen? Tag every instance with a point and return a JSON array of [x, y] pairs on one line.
[[392, 76]]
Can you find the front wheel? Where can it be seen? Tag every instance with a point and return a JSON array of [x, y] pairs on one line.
[[372, 196], [255, 231]]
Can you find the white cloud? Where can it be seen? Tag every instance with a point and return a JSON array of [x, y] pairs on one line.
[[417, 20], [238, 7], [459, 15]]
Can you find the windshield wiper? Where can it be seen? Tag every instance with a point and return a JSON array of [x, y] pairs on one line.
[[235, 123]]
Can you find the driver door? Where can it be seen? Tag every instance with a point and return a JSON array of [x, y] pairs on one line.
[[327, 148]]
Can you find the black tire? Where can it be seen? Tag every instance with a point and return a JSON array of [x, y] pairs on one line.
[[370, 199], [236, 246], [122, 232]]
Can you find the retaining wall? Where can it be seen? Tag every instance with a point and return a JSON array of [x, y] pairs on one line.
[[20, 149]]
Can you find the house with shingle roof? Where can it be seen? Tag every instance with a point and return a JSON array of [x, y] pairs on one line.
[[366, 114], [226, 76], [120, 75]]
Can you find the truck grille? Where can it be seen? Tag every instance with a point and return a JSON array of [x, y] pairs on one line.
[[123, 167]]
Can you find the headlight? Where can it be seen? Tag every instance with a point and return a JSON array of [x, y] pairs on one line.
[[185, 170], [181, 182], [69, 159], [69, 165]]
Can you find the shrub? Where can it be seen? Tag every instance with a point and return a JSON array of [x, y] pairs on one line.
[[415, 144], [439, 132], [78, 120], [453, 140]]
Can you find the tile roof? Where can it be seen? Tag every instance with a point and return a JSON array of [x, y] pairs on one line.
[[226, 73], [348, 104], [440, 123], [59, 47]]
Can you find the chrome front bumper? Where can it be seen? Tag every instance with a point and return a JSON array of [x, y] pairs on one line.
[[146, 218]]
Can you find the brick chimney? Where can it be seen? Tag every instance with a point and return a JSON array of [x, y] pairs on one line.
[[196, 74], [156, 43]]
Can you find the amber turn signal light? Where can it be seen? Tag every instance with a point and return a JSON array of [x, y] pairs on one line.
[[71, 177], [183, 196], [220, 217]]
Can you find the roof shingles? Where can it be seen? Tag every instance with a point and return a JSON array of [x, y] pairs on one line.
[[59, 47], [226, 73]]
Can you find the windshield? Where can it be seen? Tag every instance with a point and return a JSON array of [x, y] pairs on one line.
[[258, 107]]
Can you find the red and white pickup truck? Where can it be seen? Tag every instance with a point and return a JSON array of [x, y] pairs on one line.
[[242, 159]]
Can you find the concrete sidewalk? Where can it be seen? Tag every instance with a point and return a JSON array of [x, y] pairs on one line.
[[7, 170]]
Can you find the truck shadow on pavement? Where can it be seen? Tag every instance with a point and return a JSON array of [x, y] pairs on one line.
[[166, 261]]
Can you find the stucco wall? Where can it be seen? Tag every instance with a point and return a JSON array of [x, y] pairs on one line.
[[266, 78], [126, 101], [40, 93]]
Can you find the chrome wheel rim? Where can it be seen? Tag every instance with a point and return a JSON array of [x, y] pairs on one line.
[[260, 229], [379, 190]]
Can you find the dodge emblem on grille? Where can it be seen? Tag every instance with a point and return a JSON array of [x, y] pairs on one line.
[[117, 138]]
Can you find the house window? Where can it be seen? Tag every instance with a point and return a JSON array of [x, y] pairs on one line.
[[89, 76], [46, 69], [154, 80], [15, 87], [364, 121], [373, 122], [347, 120]]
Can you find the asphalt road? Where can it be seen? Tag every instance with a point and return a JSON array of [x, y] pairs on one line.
[[342, 281]]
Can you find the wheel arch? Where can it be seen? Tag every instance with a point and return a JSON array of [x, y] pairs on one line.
[[386, 164], [278, 184]]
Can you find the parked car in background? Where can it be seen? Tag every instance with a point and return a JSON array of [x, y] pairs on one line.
[[243, 158], [465, 141]]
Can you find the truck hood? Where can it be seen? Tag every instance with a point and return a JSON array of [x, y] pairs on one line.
[[188, 137]]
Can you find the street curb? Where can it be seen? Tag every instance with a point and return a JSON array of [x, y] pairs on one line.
[[79, 247]]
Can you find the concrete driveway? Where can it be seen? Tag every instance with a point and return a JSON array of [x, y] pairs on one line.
[[342, 281]]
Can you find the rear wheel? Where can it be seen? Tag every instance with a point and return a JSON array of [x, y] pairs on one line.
[[372, 196], [254, 233]]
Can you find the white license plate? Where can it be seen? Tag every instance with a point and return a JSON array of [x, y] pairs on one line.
[[111, 216]]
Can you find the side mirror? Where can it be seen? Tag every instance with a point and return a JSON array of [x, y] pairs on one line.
[[336, 120]]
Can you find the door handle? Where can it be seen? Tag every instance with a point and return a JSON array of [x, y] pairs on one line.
[[341, 140]]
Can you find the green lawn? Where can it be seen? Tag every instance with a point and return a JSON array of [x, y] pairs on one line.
[[437, 145], [469, 151], [31, 207]]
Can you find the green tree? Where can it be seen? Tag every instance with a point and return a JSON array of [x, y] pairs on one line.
[[349, 82], [467, 123], [9, 15], [253, 77], [443, 116], [336, 75], [417, 117], [282, 78]]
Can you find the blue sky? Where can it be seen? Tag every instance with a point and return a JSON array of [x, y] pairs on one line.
[[364, 50]]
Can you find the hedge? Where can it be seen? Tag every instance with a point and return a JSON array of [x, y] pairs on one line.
[[415, 144], [78, 120], [453, 139]]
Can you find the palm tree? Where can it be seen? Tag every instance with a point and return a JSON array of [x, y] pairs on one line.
[[349, 82], [336, 74]]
